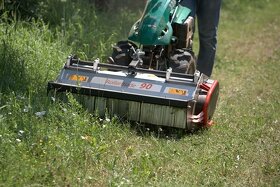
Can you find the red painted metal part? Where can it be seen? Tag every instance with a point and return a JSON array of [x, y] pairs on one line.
[[210, 88]]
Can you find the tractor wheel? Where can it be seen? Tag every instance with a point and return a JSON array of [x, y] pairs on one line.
[[122, 53], [182, 61]]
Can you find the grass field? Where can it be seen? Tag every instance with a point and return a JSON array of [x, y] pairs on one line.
[[47, 143]]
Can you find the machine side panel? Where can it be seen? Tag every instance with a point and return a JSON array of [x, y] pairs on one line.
[[128, 85]]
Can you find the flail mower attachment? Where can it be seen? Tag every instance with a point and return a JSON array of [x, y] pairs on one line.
[[162, 98]]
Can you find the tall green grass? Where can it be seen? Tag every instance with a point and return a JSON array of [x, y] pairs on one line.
[[30, 55], [90, 32], [43, 141]]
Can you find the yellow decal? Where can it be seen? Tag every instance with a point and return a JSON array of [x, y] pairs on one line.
[[176, 91], [78, 78]]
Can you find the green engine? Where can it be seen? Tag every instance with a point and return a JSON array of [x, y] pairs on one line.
[[160, 39]]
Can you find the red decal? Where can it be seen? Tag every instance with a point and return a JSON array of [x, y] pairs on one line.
[[146, 86]]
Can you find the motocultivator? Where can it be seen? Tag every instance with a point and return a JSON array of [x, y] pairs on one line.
[[150, 78]]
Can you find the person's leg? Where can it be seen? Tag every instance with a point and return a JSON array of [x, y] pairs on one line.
[[208, 12]]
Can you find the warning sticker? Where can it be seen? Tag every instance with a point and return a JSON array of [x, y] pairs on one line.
[[76, 77], [114, 82], [107, 81], [144, 86], [99, 80], [176, 91]]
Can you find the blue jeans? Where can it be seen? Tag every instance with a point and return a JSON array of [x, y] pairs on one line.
[[207, 13]]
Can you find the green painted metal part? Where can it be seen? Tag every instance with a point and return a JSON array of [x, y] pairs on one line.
[[181, 15], [155, 25]]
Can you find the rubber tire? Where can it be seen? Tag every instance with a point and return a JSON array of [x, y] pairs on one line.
[[122, 53], [182, 61]]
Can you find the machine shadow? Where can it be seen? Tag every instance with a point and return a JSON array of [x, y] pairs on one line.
[[162, 132]]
